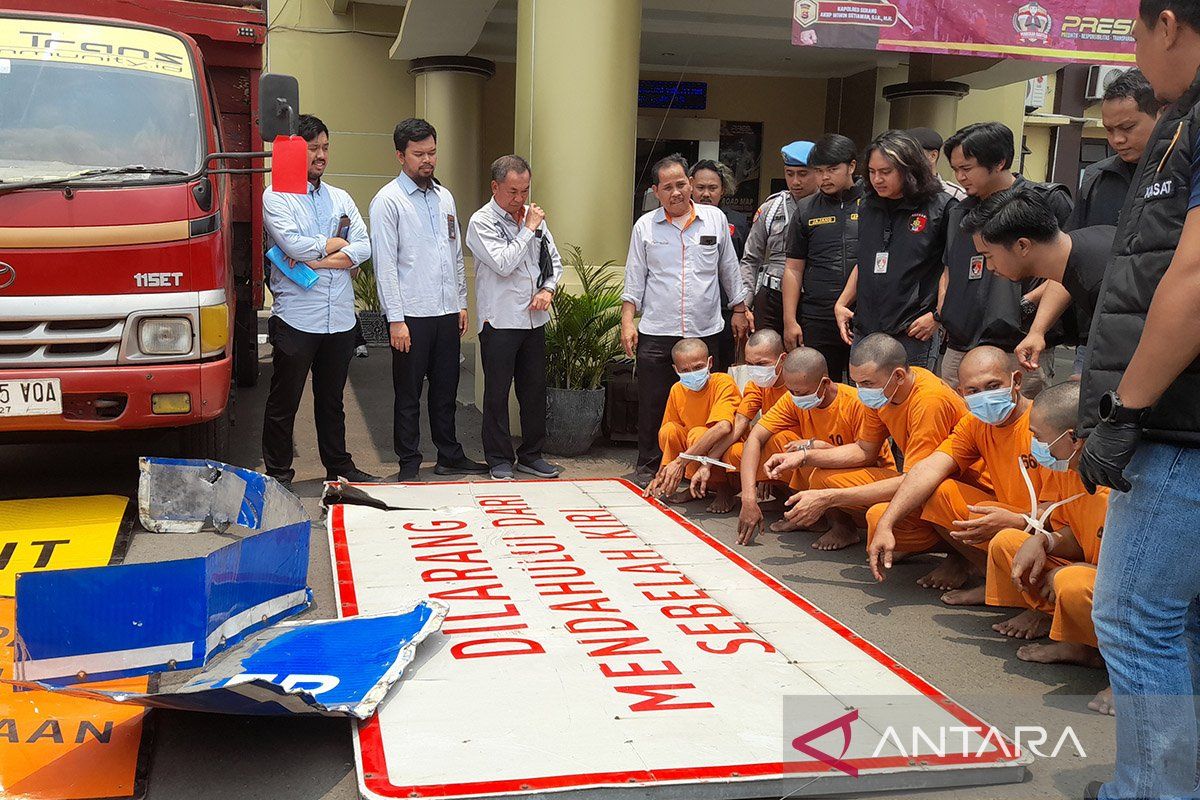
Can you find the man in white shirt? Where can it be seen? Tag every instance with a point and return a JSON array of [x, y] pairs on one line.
[[423, 288], [680, 258], [312, 330], [513, 295]]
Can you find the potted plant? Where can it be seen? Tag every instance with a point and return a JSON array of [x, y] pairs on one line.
[[370, 313], [582, 337]]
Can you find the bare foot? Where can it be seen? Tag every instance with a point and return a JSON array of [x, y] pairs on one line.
[[976, 596], [1029, 624], [783, 525], [681, 497], [950, 574], [723, 502], [1061, 653], [766, 492], [838, 537], [1103, 703]]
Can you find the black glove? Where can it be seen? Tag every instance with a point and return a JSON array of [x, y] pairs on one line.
[[1106, 453]]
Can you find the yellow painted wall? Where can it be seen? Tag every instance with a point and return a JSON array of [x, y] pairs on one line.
[[348, 80], [1037, 163], [789, 108]]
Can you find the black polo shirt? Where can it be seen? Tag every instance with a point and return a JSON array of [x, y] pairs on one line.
[[1101, 194], [982, 307], [824, 232], [1084, 273], [893, 293]]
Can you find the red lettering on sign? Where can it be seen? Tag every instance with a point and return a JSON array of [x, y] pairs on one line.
[[708, 627], [566, 587], [643, 554], [460, 556], [627, 646], [489, 648], [472, 593], [635, 670], [598, 605], [557, 571], [661, 568], [697, 611], [468, 574], [510, 610], [602, 625], [698, 594], [658, 698], [733, 645], [435, 526]]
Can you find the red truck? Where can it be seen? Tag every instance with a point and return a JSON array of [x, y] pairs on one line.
[[130, 250]]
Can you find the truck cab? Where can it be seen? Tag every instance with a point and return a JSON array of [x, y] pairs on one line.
[[130, 271]]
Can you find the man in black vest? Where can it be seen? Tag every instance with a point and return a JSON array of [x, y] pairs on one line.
[[977, 306], [1139, 408], [1128, 112]]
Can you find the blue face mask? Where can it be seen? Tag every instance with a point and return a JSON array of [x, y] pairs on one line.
[[992, 406], [874, 398], [695, 380], [762, 377], [806, 402], [1041, 452]]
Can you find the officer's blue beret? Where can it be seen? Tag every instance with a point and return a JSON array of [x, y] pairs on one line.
[[796, 154]]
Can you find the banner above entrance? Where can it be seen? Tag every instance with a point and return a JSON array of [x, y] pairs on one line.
[[1050, 30]]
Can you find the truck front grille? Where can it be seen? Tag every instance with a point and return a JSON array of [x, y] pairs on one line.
[[60, 342]]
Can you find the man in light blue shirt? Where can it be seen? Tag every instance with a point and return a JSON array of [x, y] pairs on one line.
[[312, 330], [423, 288]]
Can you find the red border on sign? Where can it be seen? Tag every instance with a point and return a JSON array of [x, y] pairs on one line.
[[374, 764]]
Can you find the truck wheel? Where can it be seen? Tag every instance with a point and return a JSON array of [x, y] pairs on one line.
[[208, 439], [245, 350]]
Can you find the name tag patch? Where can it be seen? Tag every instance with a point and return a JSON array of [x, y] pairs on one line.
[[709, 239], [815, 221], [881, 261], [1160, 189], [976, 270]]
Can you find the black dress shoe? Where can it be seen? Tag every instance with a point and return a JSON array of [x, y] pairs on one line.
[[464, 466], [354, 476], [408, 473]]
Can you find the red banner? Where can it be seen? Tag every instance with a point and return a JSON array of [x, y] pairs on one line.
[[1039, 30]]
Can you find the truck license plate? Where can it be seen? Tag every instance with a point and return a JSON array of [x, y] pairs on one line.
[[30, 398]]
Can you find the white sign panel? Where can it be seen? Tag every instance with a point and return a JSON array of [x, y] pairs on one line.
[[599, 645]]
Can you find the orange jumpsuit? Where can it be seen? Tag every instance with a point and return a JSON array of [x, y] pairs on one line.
[[1073, 584], [755, 399], [918, 425], [689, 415], [999, 448]]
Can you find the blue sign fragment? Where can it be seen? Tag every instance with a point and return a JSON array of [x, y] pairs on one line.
[[339, 668], [101, 623]]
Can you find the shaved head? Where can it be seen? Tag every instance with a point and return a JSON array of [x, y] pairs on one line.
[[806, 361], [881, 350], [767, 340], [1057, 408], [685, 349], [986, 357]]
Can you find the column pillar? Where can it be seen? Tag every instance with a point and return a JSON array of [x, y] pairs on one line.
[[576, 117], [929, 104], [450, 97]]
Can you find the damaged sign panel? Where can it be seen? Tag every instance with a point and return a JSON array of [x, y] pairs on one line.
[[580, 606], [101, 623], [332, 668], [62, 748]]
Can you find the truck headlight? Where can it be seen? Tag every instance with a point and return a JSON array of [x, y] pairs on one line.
[[165, 336]]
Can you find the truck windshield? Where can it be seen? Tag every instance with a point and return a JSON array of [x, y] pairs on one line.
[[76, 97]]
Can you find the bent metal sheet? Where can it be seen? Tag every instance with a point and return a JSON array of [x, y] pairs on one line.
[[599, 645]]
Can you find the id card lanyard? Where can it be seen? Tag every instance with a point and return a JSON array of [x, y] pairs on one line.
[[881, 257]]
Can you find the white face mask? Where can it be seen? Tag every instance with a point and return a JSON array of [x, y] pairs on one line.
[[763, 377]]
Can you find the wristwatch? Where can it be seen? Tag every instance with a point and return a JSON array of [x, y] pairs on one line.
[[937, 316], [1112, 410]]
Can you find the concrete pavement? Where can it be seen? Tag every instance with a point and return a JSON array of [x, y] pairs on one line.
[[203, 756]]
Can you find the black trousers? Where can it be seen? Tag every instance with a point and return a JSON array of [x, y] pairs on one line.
[[726, 352], [655, 377], [822, 335], [433, 354], [510, 354], [768, 310], [294, 354]]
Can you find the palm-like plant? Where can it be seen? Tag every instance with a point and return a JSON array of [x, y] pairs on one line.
[[583, 334], [365, 290]]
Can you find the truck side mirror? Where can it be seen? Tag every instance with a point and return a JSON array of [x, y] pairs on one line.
[[278, 101]]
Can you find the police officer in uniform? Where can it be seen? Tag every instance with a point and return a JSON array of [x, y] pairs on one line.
[[764, 258], [822, 247]]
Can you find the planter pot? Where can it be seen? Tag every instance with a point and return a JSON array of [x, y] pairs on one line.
[[375, 328], [572, 420]]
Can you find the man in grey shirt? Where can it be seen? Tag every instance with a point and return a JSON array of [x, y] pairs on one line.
[[513, 294], [312, 329], [423, 288]]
